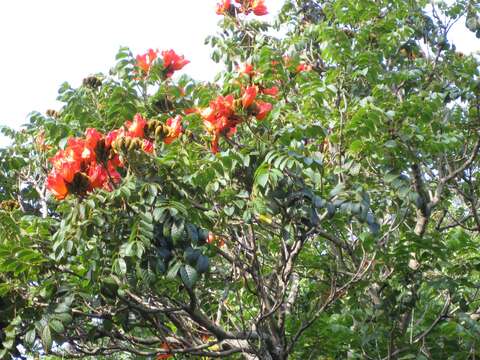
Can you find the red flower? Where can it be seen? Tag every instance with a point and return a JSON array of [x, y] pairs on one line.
[[273, 91], [249, 96], [223, 7], [258, 7], [263, 108], [92, 136], [303, 67], [246, 69], [147, 146], [145, 61], [68, 169], [56, 185], [97, 175], [136, 128], [219, 118], [191, 111], [220, 107], [172, 62], [115, 161], [76, 170], [175, 125], [112, 136]]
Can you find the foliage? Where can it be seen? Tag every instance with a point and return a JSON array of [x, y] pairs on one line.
[[319, 200]]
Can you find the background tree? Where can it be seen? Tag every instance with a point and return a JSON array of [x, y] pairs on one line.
[[318, 200]]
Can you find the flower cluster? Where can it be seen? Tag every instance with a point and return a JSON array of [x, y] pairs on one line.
[[145, 61], [223, 114], [92, 162], [85, 164], [171, 62], [226, 7]]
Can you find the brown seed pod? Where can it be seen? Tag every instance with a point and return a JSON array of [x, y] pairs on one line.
[[135, 144], [127, 142], [53, 113], [150, 128], [92, 82], [152, 125], [161, 131], [118, 144], [9, 205]]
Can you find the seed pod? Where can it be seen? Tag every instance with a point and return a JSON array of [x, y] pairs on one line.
[[9, 205], [152, 125], [126, 143], [161, 131], [150, 128], [92, 82], [135, 144], [52, 113], [119, 144]]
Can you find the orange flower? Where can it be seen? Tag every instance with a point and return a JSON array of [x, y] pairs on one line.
[[175, 125], [219, 118], [258, 7], [56, 185], [145, 61], [249, 96], [115, 162], [263, 109], [92, 136], [246, 69], [113, 174], [220, 107], [136, 128], [191, 111], [223, 7], [68, 169], [172, 62], [97, 176], [303, 67], [273, 91]]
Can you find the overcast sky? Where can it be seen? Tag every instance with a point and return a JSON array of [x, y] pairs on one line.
[[46, 42]]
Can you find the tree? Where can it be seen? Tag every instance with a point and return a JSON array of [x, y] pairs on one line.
[[318, 200]]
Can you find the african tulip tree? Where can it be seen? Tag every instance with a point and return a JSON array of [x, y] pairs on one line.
[[320, 200]]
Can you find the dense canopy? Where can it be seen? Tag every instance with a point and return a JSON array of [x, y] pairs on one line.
[[318, 200]]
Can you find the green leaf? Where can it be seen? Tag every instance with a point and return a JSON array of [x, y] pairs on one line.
[[172, 272], [30, 337], [189, 276], [177, 231], [8, 344], [337, 190], [46, 337], [65, 317], [202, 264], [56, 326], [192, 233]]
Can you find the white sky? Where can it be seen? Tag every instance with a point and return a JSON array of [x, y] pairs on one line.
[[46, 42]]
